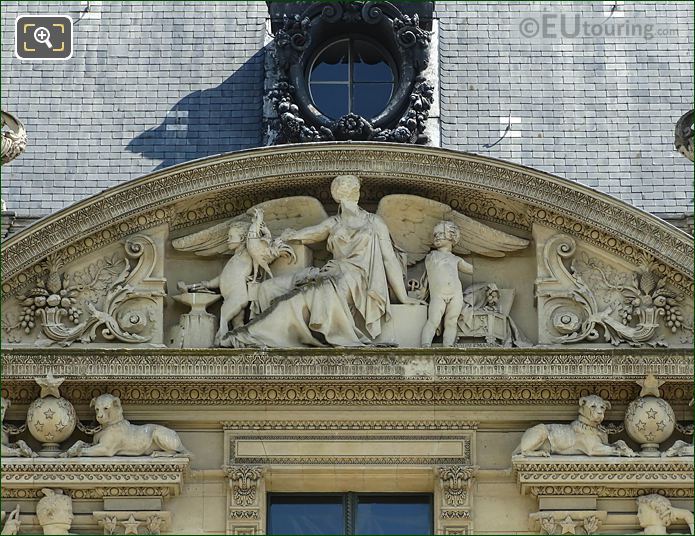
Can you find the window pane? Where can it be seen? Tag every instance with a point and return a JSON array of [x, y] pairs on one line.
[[332, 64], [369, 100], [301, 514], [393, 515], [330, 99], [369, 64]]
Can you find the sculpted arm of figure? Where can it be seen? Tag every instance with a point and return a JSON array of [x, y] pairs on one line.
[[394, 272], [465, 267], [310, 235]]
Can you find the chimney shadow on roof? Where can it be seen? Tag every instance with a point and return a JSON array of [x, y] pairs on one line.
[[224, 118]]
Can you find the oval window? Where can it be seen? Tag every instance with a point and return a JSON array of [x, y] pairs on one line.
[[351, 75]]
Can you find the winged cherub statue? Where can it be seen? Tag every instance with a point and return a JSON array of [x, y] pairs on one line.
[[411, 219], [248, 238], [446, 292]]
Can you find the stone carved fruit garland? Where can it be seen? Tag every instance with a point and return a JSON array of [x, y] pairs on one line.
[[56, 303]]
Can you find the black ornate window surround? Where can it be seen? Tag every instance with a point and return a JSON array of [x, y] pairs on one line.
[[350, 71]]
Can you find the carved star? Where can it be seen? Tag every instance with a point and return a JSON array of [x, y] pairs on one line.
[[60, 425], [649, 436], [49, 436], [650, 386], [661, 425], [131, 525], [49, 414], [568, 526], [652, 413], [38, 425], [641, 426], [49, 385]]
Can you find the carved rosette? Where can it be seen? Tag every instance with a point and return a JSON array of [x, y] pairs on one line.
[[684, 135], [453, 498], [246, 499], [14, 140]]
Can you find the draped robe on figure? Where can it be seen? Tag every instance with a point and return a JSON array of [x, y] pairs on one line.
[[343, 306]]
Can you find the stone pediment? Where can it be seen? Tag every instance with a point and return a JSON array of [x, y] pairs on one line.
[[547, 262], [565, 294]]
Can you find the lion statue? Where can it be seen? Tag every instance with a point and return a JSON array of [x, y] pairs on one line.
[[118, 437], [584, 435], [12, 450]]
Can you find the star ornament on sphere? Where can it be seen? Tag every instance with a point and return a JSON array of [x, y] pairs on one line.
[[49, 385], [650, 386]]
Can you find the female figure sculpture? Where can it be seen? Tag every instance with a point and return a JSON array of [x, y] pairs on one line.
[[346, 301]]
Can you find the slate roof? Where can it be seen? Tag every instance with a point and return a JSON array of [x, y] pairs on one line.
[[152, 84], [598, 110]]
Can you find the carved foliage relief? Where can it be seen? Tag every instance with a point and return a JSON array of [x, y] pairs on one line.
[[110, 299], [583, 298]]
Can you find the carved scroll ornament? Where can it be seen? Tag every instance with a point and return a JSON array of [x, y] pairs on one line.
[[107, 289], [572, 309]]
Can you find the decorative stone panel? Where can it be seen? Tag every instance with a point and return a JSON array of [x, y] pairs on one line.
[[94, 478]]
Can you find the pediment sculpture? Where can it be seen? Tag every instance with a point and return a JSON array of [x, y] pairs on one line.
[[116, 436], [18, 449], [349, 300], [584, 435], [649, 421]]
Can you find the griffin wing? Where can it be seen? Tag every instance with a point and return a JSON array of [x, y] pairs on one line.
[[221, 239], [411, 218], [278, 214], [295, 212]]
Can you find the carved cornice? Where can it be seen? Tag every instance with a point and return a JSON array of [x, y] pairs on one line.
[[350, 425], [274, 170], [604, 477], [341, 377], [412, 364], [353, 393], [94, 477]]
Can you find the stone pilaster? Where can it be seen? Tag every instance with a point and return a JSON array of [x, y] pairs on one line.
[[452, 499], [245, 499]]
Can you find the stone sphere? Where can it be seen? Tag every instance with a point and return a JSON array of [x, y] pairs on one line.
[[649, 419], [51, 419]]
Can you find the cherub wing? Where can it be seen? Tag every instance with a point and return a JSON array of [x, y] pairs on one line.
[[294, 212], [220, 239], [411, 219], [278, 214]]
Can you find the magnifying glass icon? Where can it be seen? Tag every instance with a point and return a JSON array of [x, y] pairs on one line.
[[43, 36]]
